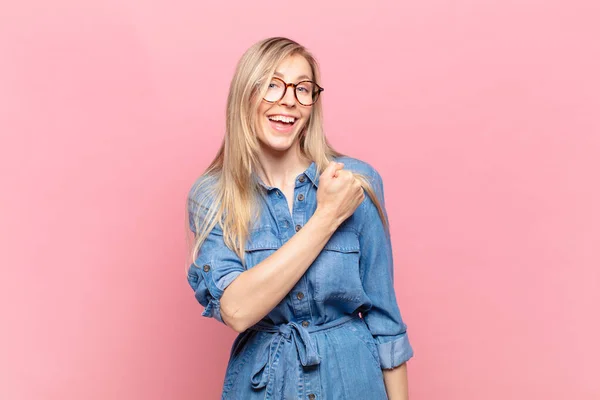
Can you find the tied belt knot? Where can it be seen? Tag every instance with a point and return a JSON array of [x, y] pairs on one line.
[[266, 370]]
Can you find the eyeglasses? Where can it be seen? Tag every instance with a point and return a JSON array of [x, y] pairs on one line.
[[306, 92]]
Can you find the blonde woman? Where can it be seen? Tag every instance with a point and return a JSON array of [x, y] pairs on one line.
[[292, 247]]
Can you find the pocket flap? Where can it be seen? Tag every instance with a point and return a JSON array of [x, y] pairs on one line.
[[344, 242], [263, 240]]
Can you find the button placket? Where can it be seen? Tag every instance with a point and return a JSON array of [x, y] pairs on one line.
[[300, 300], [299, 207], [282, 213]]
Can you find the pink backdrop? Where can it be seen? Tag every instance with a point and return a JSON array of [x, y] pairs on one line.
[[482, 117]]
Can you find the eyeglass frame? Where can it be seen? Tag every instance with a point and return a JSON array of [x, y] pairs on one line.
[[294, 86]]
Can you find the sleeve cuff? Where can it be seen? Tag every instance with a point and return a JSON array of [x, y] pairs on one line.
[[395, 352], [213, 309]]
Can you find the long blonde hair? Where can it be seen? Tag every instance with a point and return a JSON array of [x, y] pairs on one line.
[[225, 193]]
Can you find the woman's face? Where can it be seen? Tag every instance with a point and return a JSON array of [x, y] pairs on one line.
[[280, 123]]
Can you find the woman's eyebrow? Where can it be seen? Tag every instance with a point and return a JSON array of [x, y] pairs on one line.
[[280, 75]]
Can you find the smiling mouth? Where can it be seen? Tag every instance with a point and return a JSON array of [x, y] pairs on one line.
[[282, 118], [282, 123]]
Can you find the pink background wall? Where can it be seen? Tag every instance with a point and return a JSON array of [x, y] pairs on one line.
[[482, 117]]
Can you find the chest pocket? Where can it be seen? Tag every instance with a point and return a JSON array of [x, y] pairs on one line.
[[260, 245], [336, 269]]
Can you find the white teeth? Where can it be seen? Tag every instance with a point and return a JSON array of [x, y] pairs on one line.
[[282, 118]]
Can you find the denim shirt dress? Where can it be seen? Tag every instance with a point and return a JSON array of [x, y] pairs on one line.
[[340, 325]]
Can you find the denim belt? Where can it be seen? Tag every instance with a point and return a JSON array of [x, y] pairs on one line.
[[263, 375]]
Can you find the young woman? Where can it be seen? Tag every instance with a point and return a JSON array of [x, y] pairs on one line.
[[288, 249]]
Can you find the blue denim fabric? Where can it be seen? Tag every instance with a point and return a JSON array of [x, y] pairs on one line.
[[312, 345]]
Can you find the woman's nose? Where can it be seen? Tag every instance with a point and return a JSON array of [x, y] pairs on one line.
[[288, 98]]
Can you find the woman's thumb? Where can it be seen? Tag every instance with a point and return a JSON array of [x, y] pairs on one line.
[[333, 167]]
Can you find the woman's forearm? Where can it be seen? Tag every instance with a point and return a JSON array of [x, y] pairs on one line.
[[396, 382], [255, 292]]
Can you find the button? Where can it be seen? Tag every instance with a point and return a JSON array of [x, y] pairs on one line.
[[300, 296], [311, 396], [206, 268], [305, 324], [298, 228], [302, 179], [300, 197]]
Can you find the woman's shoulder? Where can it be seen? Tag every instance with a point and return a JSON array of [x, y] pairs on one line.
[[204, 182], [359, 166], [202, 193], [372, 174]]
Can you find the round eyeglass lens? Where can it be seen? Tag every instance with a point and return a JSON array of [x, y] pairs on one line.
[[305, 92]]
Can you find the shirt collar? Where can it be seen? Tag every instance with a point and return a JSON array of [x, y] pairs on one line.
[[310, 172]]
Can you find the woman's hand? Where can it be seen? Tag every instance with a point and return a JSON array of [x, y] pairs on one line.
[[339, 193]]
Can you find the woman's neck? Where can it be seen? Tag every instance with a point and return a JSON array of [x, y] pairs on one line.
[[281, 169]]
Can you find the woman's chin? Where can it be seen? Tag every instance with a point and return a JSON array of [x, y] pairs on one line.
[[278, 143]]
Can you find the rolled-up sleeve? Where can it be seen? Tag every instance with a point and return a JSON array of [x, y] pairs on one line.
[[383, 318], [215, 267]]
